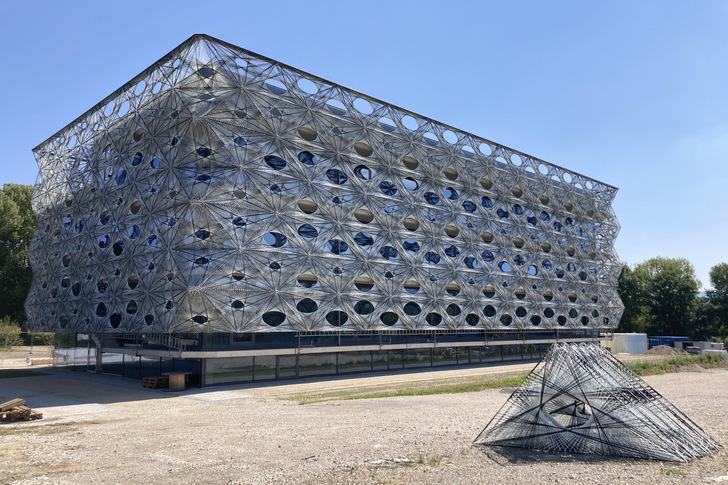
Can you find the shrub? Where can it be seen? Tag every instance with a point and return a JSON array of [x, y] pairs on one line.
[[9, 333], [40, 338]]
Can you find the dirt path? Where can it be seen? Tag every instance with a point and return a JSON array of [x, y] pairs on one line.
[[109, 430]]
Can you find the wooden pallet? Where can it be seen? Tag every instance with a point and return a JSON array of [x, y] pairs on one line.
[[156, 382]]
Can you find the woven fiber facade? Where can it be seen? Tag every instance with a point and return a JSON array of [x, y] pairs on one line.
[[221, 191]]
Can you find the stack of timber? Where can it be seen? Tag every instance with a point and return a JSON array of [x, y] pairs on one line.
[[156, 382], [15, 410]]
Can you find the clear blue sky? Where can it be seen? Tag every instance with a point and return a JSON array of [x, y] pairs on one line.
[[632, 93]]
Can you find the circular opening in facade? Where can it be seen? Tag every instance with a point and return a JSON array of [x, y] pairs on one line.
[[337, 246], [411, 286], [307, 305], [412, 309], [389, 318], [307, 231], [472, 319], [469, 206], [363, 106], [275, 239], [115, 320], [364, 283], [364, 307], [450, 193], [409, 183], [275, 162], [433, 319], [274, 318], [453, 310], [363, 172], [337, 318], [336, 176], [132, 307], [388, 252], [307, 280], [387, 188], [410, 123], [101, 310], [132, 281], [432, 257], [363, 239]]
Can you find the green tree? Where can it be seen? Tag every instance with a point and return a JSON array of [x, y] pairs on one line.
[[703, 324], [16, 228], [718, 301], [660, 296], [632, 291]]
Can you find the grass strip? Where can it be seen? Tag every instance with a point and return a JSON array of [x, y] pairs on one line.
[[677, 364], [445, 389], [480, 383]]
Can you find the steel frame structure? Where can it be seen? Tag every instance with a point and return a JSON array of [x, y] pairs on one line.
[[222, 191]]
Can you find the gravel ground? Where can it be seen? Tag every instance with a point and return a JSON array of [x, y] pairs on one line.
[[254, 435]]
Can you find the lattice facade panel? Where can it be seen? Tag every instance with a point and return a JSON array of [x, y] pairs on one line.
[[221, 191]]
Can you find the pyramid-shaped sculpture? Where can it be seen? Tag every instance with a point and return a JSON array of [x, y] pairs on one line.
[[581, 399], [222, 191]]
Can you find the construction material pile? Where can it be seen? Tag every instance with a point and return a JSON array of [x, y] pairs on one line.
[[15, 410], [665, 350]]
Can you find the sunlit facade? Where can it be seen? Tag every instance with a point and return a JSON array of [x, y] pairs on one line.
[[220, 195]]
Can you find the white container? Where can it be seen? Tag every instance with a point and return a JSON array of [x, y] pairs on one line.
[[629, 343]]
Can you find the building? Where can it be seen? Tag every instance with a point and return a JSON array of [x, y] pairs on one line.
[[242, 219]]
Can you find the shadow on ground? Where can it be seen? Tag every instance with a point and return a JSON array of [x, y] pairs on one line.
[[506, 456]]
